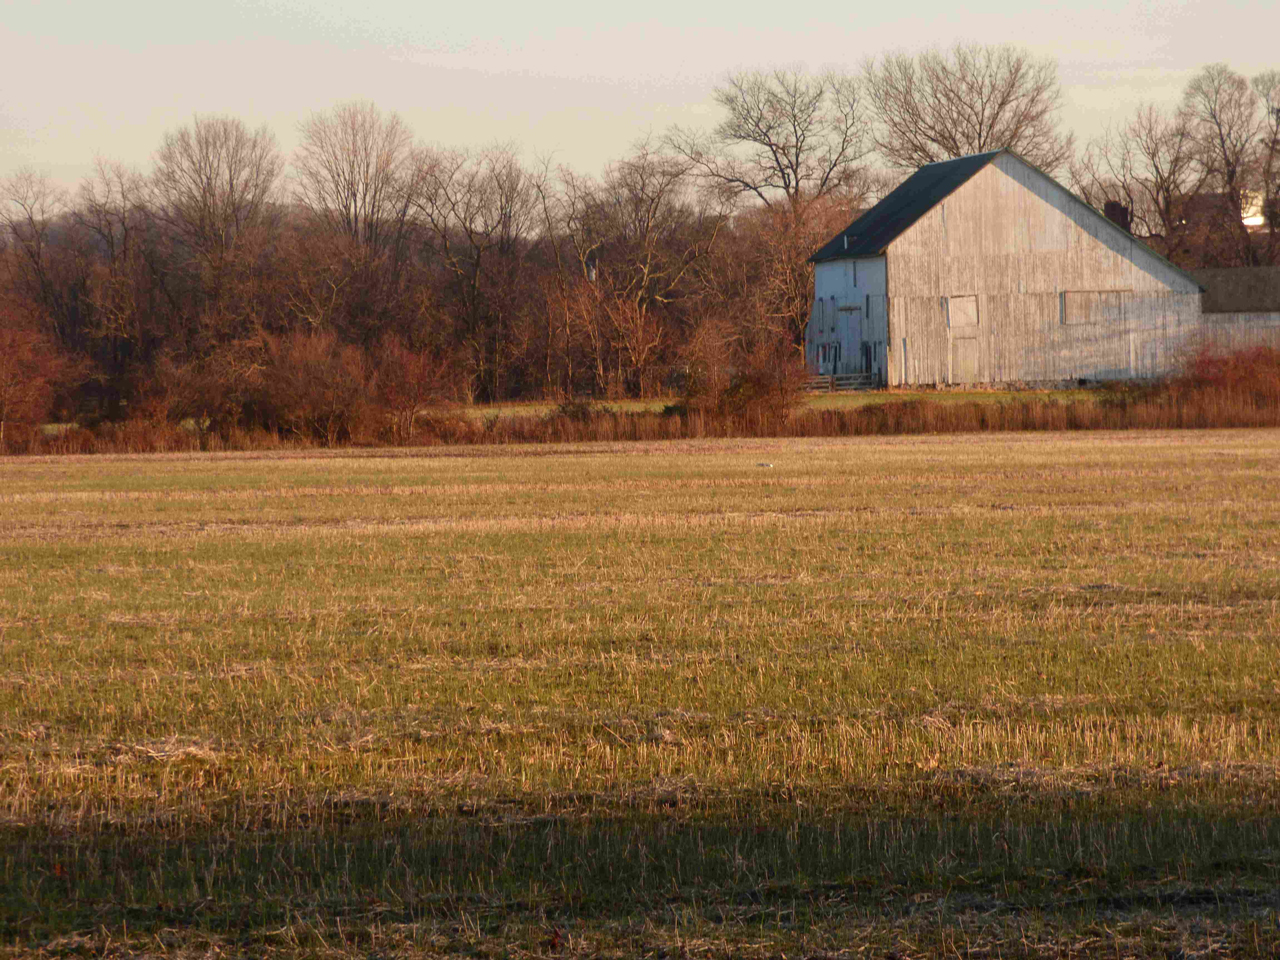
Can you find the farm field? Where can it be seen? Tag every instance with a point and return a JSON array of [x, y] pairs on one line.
[[987, 695]]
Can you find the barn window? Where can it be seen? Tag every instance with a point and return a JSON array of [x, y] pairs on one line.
[[962, 312], [1080, 307]]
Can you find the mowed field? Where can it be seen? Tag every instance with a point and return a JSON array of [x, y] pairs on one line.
[[996, 695]]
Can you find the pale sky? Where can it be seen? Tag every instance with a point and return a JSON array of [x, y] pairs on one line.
[[577, 81]]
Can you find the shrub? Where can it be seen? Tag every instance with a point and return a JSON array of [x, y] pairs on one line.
[[1248, 374], [314, 387], [758, 379], [580, 410], [706, 365], [767, 383], [30, 371], [409, 380], [219, 393]]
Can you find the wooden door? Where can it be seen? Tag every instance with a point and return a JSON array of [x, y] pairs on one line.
[[964, 360], [962, 320]]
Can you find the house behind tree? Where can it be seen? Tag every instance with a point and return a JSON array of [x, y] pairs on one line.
[[986, 270]]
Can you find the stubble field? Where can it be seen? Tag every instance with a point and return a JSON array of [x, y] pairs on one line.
[[998, 695]]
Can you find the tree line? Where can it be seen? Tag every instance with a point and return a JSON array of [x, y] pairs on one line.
[[232, 286]]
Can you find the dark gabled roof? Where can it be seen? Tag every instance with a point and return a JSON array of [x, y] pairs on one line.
[[871, 233]]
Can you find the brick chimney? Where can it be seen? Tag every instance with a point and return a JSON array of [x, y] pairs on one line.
[[1119, 214]]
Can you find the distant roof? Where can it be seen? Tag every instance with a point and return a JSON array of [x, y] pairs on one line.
[[871, 233]]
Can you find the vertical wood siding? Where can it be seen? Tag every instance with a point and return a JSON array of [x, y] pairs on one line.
[[849, 309]]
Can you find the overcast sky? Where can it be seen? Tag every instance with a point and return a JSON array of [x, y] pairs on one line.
[[579, 81]]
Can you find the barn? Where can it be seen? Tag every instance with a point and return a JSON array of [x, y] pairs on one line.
[[986, 270]]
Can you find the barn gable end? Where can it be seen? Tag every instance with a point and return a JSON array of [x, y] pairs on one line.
[[1011, 278]]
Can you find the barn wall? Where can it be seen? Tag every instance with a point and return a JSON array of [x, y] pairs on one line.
[[848, 311], [1015, 241]]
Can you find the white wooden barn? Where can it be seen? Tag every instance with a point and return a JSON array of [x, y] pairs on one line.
[[986, 270]]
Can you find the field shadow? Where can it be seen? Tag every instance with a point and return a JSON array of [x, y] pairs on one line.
[[499, 871]]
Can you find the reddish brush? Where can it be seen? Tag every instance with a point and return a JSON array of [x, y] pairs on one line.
[[1215, 390], [1251, 373]]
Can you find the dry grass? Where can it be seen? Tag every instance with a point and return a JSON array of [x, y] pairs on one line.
[[1013, 695]]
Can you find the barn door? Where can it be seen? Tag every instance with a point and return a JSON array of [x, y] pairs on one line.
[[962, 321], [857, 323], [964, 360]]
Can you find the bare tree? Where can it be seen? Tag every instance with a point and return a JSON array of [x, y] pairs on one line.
[[1191, 176], [796, 144], [214, 180], [355, 170], [648, 235], [1222, 109], [1267, 88], [970, 99], [624, 254], [30, 205], [112, 210], [1150, 166], [315, 386], [786, 137], [356, 173], [641, 207], [570, 298], [44, 265], [479, 210]]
